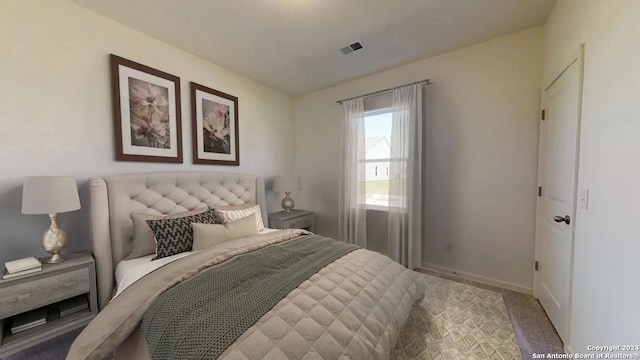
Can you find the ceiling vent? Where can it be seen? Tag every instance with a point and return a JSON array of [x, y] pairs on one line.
[[351, 48]]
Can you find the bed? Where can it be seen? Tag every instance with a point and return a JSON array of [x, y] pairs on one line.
[[272, 294]]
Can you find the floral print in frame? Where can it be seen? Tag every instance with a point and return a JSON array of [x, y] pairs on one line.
[[215, 126], [147, 118]]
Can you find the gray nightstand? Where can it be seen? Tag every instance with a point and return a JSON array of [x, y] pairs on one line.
[[296, 219], [48, 289]]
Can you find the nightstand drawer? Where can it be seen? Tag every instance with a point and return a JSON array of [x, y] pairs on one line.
[[33, 294], [294, 219], [299, 223]]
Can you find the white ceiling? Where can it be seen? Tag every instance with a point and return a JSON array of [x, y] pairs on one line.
[[293, 45]]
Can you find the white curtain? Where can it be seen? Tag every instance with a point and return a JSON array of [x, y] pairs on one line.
[[404, 209], [405, 180], [352, 224]]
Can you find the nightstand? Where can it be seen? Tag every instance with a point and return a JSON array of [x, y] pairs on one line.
[[53, 288], [295, 219]]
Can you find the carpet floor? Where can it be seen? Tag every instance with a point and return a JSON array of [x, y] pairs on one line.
[[533, 329], [457, 319]]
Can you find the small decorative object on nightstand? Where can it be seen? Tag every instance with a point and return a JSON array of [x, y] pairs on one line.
[[37, 307], [51, 195], [287, 184], [294, 219]]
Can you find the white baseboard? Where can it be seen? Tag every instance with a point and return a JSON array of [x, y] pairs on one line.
[[479, 278]]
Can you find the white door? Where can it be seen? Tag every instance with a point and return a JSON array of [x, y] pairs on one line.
[[557, 175]]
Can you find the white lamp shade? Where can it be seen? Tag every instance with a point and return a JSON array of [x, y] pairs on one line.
[[287, 183], [49, 195]]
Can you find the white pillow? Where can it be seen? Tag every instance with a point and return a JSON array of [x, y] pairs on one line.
[[233, 213], [207, 235]]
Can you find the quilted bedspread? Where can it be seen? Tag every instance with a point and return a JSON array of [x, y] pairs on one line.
[[353, 308]]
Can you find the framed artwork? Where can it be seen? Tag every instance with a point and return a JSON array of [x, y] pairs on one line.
[[215, 126], [146, 107]]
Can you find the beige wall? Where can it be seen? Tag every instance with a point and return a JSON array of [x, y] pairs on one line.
[[56, 118], [606, 280], [480, 154], [481, 141]]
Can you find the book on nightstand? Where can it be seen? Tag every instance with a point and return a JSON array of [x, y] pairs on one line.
[[21, 265], [28, 320], [73, 306], [7, 276]]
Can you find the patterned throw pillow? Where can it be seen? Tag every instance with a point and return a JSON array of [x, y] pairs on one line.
[[174, 236], [233, 213], [144, 243]]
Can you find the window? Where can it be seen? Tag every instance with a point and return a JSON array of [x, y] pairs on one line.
[[377, 157]]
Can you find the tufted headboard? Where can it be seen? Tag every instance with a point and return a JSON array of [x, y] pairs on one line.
[[115, 198]]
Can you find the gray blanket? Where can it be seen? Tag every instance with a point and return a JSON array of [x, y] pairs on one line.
[[201, 317]]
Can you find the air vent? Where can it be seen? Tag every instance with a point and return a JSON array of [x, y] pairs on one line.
[[351, 48]]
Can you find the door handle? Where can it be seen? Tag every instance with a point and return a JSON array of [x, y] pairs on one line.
[[559, 219]]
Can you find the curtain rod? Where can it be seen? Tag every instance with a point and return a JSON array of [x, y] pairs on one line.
[[426, 81]]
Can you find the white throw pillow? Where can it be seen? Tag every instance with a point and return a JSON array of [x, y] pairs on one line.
[[207, 235], [233, 213]]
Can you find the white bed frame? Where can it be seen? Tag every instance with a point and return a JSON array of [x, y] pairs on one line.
[[115, 198]]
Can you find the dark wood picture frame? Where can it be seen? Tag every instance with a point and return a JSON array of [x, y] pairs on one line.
[[198, 130], [173, 113]]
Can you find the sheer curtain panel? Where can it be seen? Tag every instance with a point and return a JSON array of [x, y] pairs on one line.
[[405, 180], [352, 223]]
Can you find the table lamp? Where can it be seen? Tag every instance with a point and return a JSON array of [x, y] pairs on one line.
[[51, 195], [287, 184]]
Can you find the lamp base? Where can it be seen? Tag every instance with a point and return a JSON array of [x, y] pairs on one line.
[[54, 240], [54, 259], [287, 203]]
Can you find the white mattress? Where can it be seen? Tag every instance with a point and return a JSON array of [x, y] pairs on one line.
[[130, 271]]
